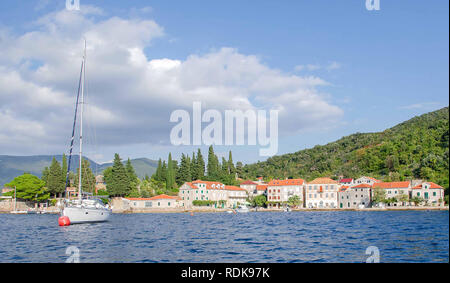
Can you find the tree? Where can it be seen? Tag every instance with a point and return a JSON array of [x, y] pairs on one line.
[[45, 174], [54, 185], [158, 175], [28, 188], [294, 201], [402, 197], [184, 171], [87, 177], [417, 200], [131, 173], [213, 165], [231, 168], [259, 200], [239, 167], [170, 178], [116, 178], [200, 165], [379, 196]]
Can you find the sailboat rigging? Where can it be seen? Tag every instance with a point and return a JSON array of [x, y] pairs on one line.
[[84, 209]]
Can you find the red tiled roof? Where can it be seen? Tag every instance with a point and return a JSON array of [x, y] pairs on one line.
[[391, 185], [346, 180], [248, 182], [323, 181], [234, 188], [362, 186], [432, 186], [261, 187], [163, 196], [288, 182]]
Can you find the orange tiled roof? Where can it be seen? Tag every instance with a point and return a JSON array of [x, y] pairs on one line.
[[234, 188], [432, 186], [390, 185], [362, 186], [163, 196], [288, 182], [261, 187], [323, 181]]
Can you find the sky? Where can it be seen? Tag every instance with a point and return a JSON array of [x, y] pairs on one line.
[[330, 68]]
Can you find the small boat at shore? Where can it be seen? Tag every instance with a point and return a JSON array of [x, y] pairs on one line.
[[19, 212], [242, 209]]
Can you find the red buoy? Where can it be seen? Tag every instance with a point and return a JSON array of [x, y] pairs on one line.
[[64, 221]]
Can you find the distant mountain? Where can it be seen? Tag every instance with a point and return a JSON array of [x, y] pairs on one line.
[[415, 149], [13, 166]]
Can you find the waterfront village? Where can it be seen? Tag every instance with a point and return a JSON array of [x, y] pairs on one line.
[[364, 193], [294, 194]]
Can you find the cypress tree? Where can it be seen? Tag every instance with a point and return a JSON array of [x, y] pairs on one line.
[[170, 178], [158, 173], [163, 171], [54, 177], [231, 168], [117, 183], [132, 177], [213, 164], [194, 168], [200, 165]]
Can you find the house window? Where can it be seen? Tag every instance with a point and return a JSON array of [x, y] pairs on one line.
[[168, 204], [434, 194], [159, 204], [148, 204]]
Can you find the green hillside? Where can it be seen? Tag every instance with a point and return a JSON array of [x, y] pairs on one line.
[[415, 149]]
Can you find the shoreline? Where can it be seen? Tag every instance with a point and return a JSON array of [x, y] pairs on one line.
[[280, 210], [268, 210]]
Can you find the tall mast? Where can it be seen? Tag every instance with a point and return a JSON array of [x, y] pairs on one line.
[[81, 122]]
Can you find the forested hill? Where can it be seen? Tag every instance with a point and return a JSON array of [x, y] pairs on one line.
[[415, 149]]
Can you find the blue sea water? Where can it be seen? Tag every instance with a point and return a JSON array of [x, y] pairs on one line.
[[337, 236]]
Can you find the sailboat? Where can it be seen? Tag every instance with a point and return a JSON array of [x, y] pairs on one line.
[[84, 209], [15, 211]]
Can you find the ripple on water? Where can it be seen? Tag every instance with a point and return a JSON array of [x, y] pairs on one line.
[[211, 237]]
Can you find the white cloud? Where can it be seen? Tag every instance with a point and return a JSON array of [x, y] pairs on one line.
[[131, 97]]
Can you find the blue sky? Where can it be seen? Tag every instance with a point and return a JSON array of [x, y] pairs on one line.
[[386, 66]]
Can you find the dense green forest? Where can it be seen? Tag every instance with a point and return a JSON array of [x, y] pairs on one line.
[[415, 149]]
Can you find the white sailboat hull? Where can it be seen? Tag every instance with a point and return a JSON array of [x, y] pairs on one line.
[[79, 215]]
